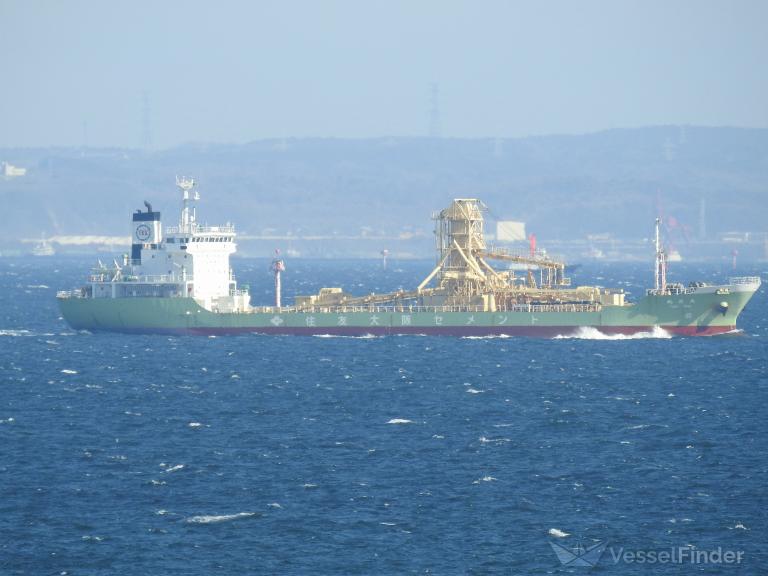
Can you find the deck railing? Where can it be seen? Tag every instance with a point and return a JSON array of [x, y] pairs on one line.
[[525, 308], [195, 229], [742, 280]]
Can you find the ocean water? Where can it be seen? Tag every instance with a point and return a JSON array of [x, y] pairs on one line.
[[393, 455]]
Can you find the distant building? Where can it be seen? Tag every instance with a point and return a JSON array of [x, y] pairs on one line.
[[11, 171], [736, 237], [510, 231]]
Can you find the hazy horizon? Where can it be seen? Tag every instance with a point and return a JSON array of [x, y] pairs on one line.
[[77, 73]]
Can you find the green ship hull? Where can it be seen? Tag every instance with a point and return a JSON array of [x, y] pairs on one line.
[[183, 284], [692, 314]]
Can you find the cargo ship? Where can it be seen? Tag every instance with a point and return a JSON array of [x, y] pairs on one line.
[[178, 280]]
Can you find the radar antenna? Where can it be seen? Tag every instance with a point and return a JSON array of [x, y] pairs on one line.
[[277, 267], [190, 195], [660, 274]]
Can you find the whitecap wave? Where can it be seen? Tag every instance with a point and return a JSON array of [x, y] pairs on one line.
[[740, 526], [558, 533], [15, 333], [68, 371], [484, 440], [400, 421], [219, 518], [593, 333], [485, 479], [489, 337], [361, 337]]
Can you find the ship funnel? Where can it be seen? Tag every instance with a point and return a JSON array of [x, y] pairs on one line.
[[148, 205]]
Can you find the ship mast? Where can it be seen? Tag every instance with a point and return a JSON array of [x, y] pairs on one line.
[[278, 266], [660, 272], [188, 198]]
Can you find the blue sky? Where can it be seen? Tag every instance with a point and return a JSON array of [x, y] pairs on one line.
[[230, 71]]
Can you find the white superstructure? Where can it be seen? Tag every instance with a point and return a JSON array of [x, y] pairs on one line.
[[11, 171], [187, 260], [43, 248]]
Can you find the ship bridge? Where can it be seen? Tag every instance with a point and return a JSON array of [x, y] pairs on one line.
[[185, 260]]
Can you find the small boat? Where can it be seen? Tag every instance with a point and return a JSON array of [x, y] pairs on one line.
[[43, 248]]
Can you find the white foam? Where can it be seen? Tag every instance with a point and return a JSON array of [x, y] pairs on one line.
[[400, 421], [484, 440], [485, 479], [489, 337], [735, 331], [362, 337], [15, 333], [474, 391], [174, 468], [194, 424], [593, 333], [67, 371], [216, 519], [558, 533]]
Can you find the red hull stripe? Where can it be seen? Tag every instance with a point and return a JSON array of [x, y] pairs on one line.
[[532, 331]]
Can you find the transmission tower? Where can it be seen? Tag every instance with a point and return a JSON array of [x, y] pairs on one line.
[[434, 111], [146, 122]]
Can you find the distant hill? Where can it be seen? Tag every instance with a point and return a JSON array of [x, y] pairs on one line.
[[564, 187]]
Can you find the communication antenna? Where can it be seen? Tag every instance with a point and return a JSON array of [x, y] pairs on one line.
[[669, 150], [146, 121], [434, 111], [660, 273], [703, 219], [498, 147], [278, 267], [189, 195]]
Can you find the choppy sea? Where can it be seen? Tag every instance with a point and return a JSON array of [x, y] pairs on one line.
[[393, 455]]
